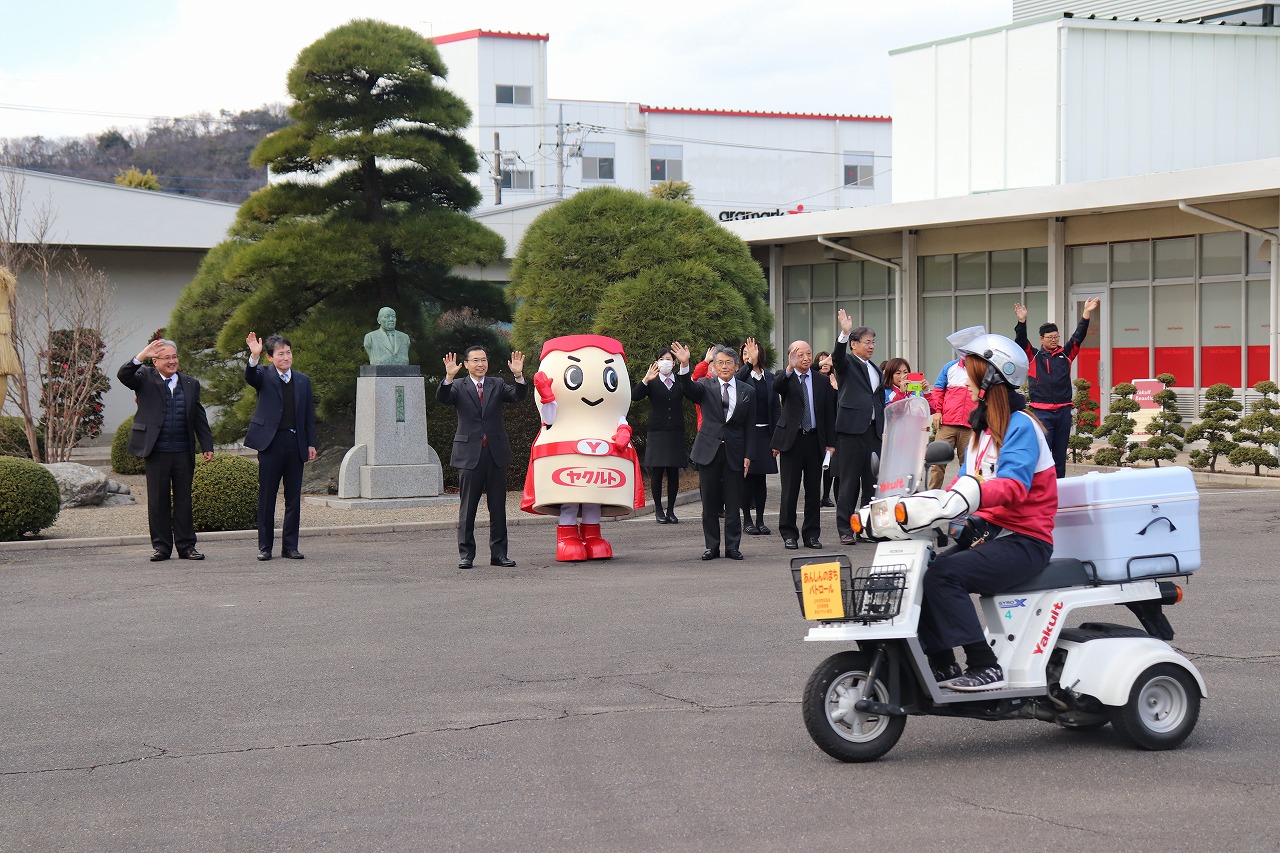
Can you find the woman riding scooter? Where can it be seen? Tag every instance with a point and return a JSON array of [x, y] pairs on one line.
[[1008, 538]]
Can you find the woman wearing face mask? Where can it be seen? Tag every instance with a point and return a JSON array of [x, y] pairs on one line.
[[664, 443]]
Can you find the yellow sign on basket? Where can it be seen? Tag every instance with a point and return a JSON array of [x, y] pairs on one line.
[[820, 591]]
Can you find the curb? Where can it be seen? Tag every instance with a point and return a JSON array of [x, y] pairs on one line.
[[522, 520]]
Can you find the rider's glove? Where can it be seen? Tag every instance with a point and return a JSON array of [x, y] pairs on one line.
[[927, 508], [542, 382]]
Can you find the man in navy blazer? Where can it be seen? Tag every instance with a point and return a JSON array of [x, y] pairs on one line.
[[481, 450], [720, 446], [283, 431], [806, 432], [859, 418], [169, 424]]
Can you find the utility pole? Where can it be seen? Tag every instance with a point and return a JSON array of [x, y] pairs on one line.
[[497, 170], [560, 154]]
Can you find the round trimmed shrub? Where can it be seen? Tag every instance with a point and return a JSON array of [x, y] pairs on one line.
[[13, 438], [122, 462], [29, 498], [224, 494]]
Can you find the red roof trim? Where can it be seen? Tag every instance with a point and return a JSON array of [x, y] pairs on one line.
[[753, 114], [475, 34]]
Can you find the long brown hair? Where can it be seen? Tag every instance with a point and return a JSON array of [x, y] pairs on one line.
[[994, 407]]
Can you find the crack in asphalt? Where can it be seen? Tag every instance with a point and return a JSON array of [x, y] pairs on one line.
[[157, 753], [1037, 817]]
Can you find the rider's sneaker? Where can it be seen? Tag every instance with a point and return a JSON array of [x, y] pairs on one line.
[[943, 674], [987, 678]]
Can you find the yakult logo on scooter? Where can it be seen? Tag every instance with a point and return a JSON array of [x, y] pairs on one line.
[[1047, 633], [896, 484]]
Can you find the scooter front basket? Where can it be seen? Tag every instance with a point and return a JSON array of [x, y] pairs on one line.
[[865, 594]]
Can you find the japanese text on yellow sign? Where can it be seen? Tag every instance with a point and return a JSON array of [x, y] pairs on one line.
[[820, 591]]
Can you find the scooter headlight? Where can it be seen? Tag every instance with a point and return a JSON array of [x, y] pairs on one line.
[[883, 515]]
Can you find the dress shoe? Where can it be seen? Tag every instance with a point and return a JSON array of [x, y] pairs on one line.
[[264, 555], [292, 555], [505, 562], [791, 544], [846, 539], [812, 543], [671, 517], [827, 502], [751, 530], [159, 556], [190, 554], [733, 555], [763, 530], [660, 517], [464, 564], [710, 554]]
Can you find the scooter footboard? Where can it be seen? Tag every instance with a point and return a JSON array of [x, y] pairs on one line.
[[1107, 668]]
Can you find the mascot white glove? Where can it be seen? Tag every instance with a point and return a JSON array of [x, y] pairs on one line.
[[927, 508]]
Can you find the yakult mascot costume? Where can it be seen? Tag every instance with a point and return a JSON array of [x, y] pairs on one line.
[[582, 464]]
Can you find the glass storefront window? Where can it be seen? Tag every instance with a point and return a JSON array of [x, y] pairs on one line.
[[1176, 258], [824, 280], [849, 279], [1258, 261], [935, 273], [1130, 261], [1006, 268], [1220, 254], [935, 325], [797, 328], [797, 281], [875, 278], [1087, 264], [970, 311], [1257, 331], [1131, 317], [823, 320], [971, 271], [1038, 267], [1175, 311]]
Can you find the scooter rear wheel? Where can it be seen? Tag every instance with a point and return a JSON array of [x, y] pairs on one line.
[[1163, 707], [839, 729]]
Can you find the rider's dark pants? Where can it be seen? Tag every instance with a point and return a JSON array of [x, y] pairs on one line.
[[947, 616]]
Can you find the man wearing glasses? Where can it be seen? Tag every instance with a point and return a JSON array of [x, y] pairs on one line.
[[859, 419], [481, 450], [169, 423], [1049, 377]]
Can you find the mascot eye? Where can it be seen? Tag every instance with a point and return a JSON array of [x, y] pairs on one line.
[[573, 377], [611, 379]]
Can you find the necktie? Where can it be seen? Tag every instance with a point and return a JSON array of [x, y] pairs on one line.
[[806, 418], [667, 380], [480, 392], [724, 398]]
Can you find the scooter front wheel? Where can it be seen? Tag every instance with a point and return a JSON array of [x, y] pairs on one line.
[[836, 726], [1163, 707]]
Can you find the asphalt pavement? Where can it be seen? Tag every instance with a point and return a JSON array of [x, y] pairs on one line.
[[375, 697]]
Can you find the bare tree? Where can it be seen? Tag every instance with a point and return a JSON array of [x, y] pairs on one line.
[[62, 306]]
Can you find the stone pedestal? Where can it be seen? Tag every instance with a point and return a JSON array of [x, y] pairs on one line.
[[391, 464]]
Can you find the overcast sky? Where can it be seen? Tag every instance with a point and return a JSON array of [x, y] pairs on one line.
[[81, 66]]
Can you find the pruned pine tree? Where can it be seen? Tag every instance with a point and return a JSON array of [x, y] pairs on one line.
[[1166, 430], [1259, 432], [1217, 422]]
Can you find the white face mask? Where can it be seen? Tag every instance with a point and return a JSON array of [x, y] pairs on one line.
[[665, 366]]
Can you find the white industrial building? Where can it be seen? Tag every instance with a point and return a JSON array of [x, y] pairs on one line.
[[1054, 159], [740, 164]]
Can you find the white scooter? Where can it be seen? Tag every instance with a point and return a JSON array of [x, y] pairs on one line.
[[856, 702]]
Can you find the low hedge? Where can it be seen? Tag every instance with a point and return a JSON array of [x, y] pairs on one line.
[[122, 462], [224, 493], [29, 498], [13, 439]]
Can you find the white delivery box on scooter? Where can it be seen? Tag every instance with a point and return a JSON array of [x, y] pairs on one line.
[[1135, 523]]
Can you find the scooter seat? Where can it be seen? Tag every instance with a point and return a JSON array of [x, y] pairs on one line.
[[1061, 572]]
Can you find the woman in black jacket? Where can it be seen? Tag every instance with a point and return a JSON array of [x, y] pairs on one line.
[[665, 450], [759, 437]]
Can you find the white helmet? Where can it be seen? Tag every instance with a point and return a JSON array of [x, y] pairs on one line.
[[1006, 361]]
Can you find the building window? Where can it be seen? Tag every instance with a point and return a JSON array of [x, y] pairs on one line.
[[814, 293], [597, 161], [666, 162], [513, 179], [859, 169], [520, 96]]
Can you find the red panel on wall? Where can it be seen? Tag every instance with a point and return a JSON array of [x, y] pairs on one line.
[[1087, 368], [1220, 364], [1130, 363], [1180, 361], [1259, 365]]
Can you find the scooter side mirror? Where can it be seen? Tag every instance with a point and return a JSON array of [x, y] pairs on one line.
[[875, 464], [938, 453]]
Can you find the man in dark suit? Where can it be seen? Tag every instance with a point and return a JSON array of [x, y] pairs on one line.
[[859, 419], [169, 424], [805, 433], [720, 446], [283, 431], [481, 450]]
